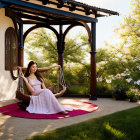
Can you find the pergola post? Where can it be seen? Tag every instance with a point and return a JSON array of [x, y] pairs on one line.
[[20, 45], [93, 82], [60, 46]]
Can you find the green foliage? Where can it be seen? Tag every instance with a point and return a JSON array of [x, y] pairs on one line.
[[42, 48], [50, 77], [111, 60], [122, 125], [79, 89], [104, 88], [117, 58], [133, 94]]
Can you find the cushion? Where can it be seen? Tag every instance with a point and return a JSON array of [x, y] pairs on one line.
[[51, 89]]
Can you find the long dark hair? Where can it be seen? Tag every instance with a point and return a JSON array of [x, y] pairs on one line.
[[27, 73]]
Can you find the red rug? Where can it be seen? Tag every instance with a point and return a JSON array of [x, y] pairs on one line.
[[80, 107]]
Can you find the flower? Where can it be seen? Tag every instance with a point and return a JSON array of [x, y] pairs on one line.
[[118, 75], [123, 74], [133, 94], [129, 80], [108, 80], [138, 67], [119, 82], [138, 82]]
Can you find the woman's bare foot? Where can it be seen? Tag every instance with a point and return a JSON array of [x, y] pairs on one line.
[[63, 112]]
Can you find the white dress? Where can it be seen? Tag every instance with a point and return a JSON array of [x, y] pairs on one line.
[[43, 101]]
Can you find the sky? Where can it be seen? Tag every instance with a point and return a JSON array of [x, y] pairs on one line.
[[106, 25]]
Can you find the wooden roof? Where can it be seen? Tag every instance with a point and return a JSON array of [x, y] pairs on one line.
[[74, 5], [54, 12]]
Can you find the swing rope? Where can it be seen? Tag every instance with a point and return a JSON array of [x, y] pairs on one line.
[[60, 78], [20, 81]]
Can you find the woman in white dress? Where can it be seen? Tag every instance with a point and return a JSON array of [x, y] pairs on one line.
[[42, 100]]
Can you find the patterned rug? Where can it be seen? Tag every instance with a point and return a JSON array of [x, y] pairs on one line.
[[79, 108]]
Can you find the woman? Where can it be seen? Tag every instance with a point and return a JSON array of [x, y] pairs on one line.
[[42, 100]]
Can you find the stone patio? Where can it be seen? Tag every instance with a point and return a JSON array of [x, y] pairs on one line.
[[13, 128]]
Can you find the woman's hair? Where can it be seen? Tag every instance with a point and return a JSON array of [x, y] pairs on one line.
[[27, 73]]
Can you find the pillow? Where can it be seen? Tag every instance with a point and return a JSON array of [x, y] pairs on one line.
[[51, 89]]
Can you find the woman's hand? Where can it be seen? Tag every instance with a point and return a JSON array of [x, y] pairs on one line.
[[59, 66], [22, 76], [19, 68]]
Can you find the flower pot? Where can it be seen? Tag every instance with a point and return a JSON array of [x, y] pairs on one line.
[[132, 100], [120, 97], [119, 94]]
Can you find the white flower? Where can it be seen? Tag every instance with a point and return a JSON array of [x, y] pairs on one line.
[[123, 74], [138, 82], [99, 79], [108, 80], [129, 80], [138, 67], [135, 82]]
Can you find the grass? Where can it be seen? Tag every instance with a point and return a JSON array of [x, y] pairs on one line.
[[123, 125]]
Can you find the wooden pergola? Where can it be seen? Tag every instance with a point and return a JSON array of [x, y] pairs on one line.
[[46, 13]]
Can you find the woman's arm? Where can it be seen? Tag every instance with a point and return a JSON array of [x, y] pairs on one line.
[[31, 90], [21, 68], [48, 68], [40, 69], [43, 84]]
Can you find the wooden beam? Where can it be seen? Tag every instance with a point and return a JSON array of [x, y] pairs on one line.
[[39, 8], [60, 46], [93, 82], [44, 2], [3, 5], [87, 11], [60, 4], [36, 18], [32, 22], [73, 7]]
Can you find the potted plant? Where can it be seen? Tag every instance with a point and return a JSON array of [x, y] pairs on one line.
[[120, 87], [133, 95]]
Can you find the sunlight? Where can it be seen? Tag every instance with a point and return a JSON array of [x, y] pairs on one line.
[[114, 131], [33, 134], [95, 2]]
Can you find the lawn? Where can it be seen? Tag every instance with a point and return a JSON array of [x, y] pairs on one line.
[[123, 125]]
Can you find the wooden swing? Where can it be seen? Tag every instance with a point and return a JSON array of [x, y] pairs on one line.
[[23, 94]]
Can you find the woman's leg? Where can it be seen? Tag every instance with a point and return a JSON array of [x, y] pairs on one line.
[[57, 95]]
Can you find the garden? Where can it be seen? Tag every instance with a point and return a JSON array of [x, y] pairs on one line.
[[117, 65]]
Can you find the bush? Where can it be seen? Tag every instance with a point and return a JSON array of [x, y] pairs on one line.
[[104, 89], [80, 90]]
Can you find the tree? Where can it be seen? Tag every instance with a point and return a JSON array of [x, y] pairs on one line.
[[42, 47], [129, 32], [125, 54]]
